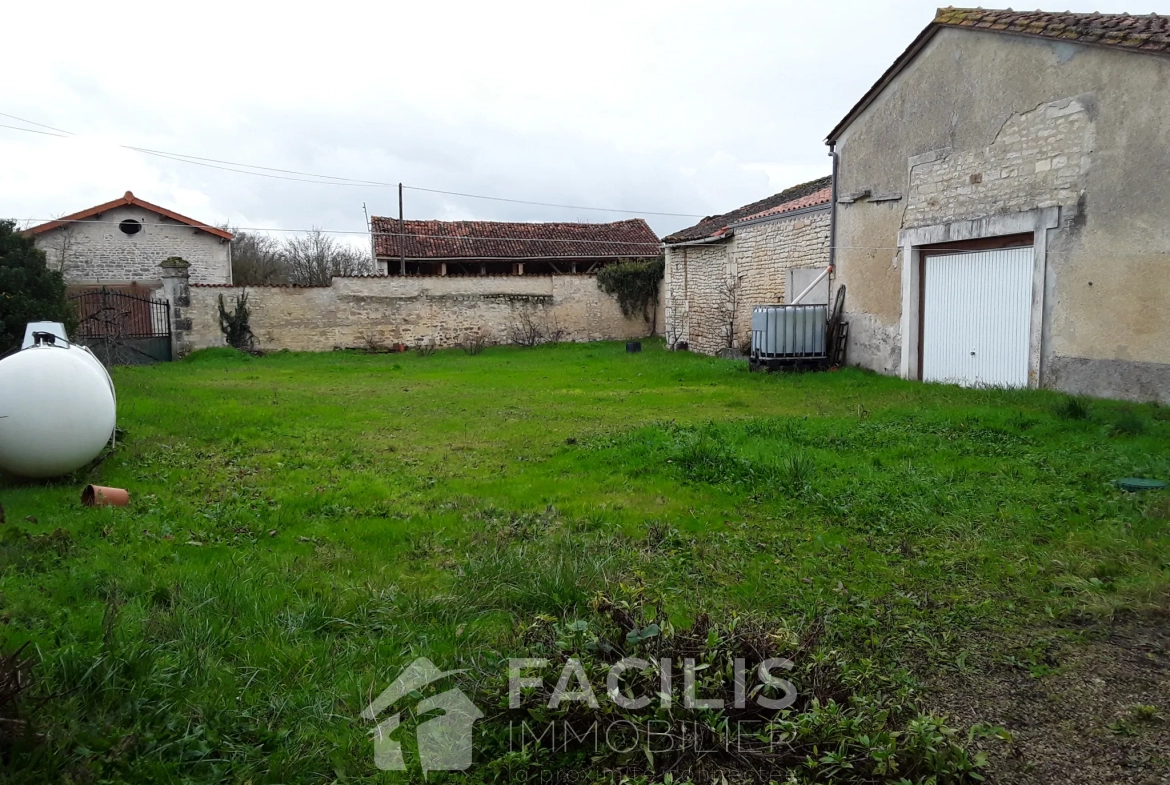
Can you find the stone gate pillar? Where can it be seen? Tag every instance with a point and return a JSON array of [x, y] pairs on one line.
[[176, 274]]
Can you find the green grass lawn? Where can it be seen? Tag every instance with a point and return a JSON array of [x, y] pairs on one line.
[[303, 526]]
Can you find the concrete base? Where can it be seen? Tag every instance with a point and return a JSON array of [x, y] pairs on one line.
[[1123, 379]]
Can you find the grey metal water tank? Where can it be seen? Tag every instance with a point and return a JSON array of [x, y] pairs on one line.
[[789, 330]]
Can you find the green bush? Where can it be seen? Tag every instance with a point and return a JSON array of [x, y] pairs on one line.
[[29, 290], [234, 323]]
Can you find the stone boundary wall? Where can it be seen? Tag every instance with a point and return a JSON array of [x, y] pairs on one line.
[[416, 310]]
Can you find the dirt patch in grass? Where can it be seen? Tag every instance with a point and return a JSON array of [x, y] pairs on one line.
[[1102, 715]]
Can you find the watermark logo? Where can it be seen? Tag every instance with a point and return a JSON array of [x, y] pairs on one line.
[[444, 742]]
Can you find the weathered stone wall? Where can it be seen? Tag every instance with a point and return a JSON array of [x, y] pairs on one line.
[[707, 308], [696, 283], [983, 126], [98, 252], [414, 310], [1037, 159]]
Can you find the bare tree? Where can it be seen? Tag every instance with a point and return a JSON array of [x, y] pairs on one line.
[[729, 310], [473, 342], [675, 326], [58, 248], [315, 258], [256, 259], [532, 325]]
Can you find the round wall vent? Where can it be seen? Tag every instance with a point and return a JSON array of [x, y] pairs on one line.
[[130, 226]]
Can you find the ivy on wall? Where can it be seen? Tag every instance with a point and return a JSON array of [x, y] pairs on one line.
[[634, 284]]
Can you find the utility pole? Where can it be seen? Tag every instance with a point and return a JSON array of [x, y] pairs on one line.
[[401, 236], [373, 249]]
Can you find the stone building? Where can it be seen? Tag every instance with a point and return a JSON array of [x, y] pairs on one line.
[[506, 248], [121, 243], [1002, 215], [760, 254]]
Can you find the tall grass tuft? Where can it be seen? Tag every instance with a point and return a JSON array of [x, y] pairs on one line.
[[1073, 407], [707, 457], [13, 681], [1128, 423], [797, 471]]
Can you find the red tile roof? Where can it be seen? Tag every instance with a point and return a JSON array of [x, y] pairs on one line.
[[1149, 34], [823, 196], [807, 194], [129, 199], [508, 240]]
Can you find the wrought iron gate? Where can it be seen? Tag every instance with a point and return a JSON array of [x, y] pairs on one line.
[[121, 328]]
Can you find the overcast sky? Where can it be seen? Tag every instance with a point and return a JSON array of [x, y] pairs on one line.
[[678, 107]]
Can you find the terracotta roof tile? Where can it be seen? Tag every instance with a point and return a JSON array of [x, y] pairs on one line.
[[823, 196], [804, 195], [1148, 33], [130, 199], [510, 240]]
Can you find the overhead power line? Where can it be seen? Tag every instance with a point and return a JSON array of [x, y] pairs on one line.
[[34, 131], [550, 204], [644, 243], [325, 179], [34, 122], [647, 244]]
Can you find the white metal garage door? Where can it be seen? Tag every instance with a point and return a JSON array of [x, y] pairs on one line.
[[976, 314]]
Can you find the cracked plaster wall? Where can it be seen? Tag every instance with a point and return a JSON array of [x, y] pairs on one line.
[[983, 124]]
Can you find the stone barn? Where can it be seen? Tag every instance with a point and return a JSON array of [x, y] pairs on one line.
[[452, 248], [120, 244], [763, 253], [1002, 216]]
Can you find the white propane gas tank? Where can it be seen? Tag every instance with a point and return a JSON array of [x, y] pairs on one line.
[[57, 410]]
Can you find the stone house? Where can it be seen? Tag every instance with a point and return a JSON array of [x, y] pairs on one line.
[[762, 253], [120, 244], [506, 248], [1001, 212]]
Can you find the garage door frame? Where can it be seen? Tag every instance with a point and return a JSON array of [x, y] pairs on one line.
[[1038, 224], [945, 249]]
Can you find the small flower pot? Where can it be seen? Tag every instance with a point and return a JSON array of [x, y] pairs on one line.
[[101, 496]]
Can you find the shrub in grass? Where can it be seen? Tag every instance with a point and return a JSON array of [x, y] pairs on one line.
[[473, 343], [1128, 423], [13, 681], [862, 719], [218, 354], [1159, 507], [704, 455], [1145, 712], [779, 428], [797, 471], [30, 553], [1073, 407]]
